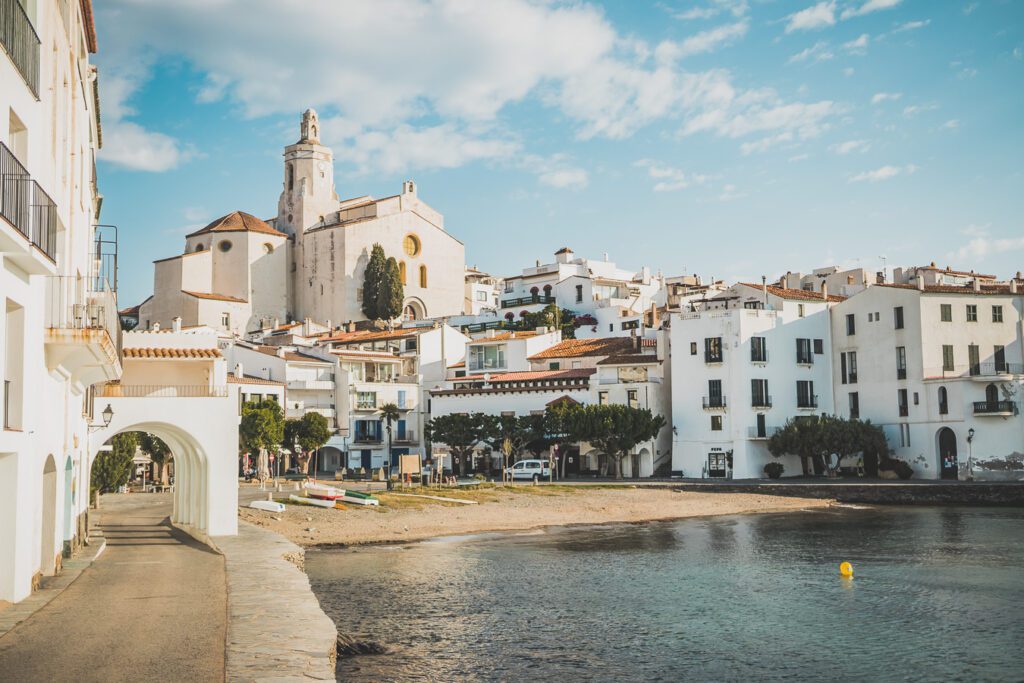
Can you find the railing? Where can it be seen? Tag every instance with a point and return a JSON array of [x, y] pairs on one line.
[[362, 405], [805, 359], [72, 304], [326, 412], [712, 357], [755, 433], [311, 384], [807, 401], [994, 407], [163, 391], [987, 369], [901, 373], [21, 42], [24, 204], [527, 300], [714, 402], [368, 438], [408, 437], [761, 402]]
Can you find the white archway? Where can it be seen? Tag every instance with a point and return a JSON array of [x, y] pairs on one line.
[[48, 530], [646, 463]]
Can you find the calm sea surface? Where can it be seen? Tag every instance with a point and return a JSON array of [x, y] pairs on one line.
[[938, 595]]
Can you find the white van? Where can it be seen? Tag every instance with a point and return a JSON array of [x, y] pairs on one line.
[[530, 469]]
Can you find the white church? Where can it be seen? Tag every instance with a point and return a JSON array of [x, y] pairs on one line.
[[240, 274]]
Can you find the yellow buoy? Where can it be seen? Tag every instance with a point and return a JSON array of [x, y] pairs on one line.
[[846, 569]]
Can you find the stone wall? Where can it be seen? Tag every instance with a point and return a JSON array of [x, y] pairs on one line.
[[895, 493]]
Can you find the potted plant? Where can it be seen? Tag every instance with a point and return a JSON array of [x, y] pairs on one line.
[[774, 470]]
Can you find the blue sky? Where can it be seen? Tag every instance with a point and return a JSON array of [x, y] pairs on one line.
[[730, 138]]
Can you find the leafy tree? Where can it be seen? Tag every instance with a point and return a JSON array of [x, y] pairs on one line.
[[510, 434], [373, 277], [551, 316], [262, 426], [815, 438], [615, 429], [391, 293], [389, 414], [313, 433], [801, 436], [113, 468], [460, 432], [157, 450], [291, 441]]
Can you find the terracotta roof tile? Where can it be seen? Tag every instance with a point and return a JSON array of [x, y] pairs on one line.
[[214, 297], [238, 221], [141, 352], [956, 289], [372, 335], [631, 359], [539, 375], [505, 336], [233, 379], [288, 354], [794, 294], [578, 348]]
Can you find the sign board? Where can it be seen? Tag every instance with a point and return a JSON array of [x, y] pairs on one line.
[[409, 464]]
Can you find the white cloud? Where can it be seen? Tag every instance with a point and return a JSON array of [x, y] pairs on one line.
[[556, 171], [729, 193], [858, 46], [883, 173], [969, 8], [131, 146], [712, 39], [880, 97], [762, 112], [851, 146], [819, 52], [914, 109], [766, 143], [952, 124], [737, 8], [868, 7], [696, 13], [1018, 53], [814, 17], [982, 244], [668, 178], [912, 25], [849, 71], [799, 157]]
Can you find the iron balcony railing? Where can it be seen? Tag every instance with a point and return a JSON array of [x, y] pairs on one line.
[[25, 205], [408, 437], [711, 402], [117, 390], [482, 327], [20, 41], [368, 438], [994, 407], [528, 300], [807, 401], [764, 433], [74, 304], [761, 402]]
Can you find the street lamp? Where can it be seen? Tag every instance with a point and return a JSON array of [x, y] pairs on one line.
[[970, 454], [108, 415]]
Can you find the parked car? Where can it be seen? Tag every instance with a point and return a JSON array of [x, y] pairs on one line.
[[530, 469]]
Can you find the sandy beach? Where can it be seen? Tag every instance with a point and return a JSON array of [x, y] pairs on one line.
[[401, 518]]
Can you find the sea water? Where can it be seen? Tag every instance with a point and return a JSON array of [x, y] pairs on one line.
[[938, 594]]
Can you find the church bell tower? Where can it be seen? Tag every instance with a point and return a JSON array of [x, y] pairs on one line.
[[308, 194]]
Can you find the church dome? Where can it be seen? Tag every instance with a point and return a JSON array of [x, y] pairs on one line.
[[238, 221]]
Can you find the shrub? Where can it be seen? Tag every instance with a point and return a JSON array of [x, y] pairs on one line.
[[902, 468], [774, 470]]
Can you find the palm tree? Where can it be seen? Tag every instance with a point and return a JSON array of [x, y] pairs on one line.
[[389, 413]]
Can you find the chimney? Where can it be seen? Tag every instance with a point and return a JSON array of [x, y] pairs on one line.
[[764, 290], [824, 291], [238, 370], [176, 324], [350, 326], [279, 351], [920, 281], [156, 327], [977, 285], [306, 331]]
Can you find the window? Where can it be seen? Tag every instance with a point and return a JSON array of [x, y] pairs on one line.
[[716, 423], [819, 347], [947, 357], [693, 348], [268, 248], [805, 397], [411, 343], [972, 313], [897, 317], [901, 401], [946, 313], [713, 350], [943, 401], [366, 400], [715, 398], [901, 362], [199, 247], [579, 293], [799, 310], [630, 325], [577, 364], [851, 325], [973, 359], [487, 357], [758, 350], [401, 398], [997, 314], [631, 399], [602, 398], [481, 295], [803, 352], [759, 397], [999, 356], [854, 405], [225, 320], [423, 277], [554, 365], [401, 272], [411, 245], [848, 367], [224, 245], [905, 435], [916, 399], [508, 286]]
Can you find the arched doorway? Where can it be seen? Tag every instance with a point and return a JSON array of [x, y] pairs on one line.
[[48, 531], [646, 463], [414, 310], [948, 465]]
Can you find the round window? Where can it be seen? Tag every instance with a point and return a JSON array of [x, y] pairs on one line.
[[411, 245], [224, 245], [268, 248], [199, 247]]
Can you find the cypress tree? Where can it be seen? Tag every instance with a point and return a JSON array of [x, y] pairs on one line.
[[373, 278], [391, 293]]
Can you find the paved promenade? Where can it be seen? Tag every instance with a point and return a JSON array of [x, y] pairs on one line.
[[152, 607]]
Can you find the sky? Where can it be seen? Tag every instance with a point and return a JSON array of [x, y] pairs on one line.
[[728, 138]]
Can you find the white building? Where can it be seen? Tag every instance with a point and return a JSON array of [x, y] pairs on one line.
[[59, 330], [831, 278], [310, 376], [482, 292], [933, 364], [752, 359]]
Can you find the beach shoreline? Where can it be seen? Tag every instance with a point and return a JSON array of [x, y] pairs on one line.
[[402, 519]]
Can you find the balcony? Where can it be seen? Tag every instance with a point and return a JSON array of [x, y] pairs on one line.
[[986, 372], [807, 402], [118, 390], [761, 402], [714, 403], [311, 385], [712, 358], [373, 439], [527, 301], [30, 211], [83, 331], [408, 438], [901, 373], [995, 408], [755, 434], [804, 359], [21, 42]]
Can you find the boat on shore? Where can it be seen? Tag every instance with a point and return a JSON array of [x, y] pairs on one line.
[[319, 502], [324, 492]]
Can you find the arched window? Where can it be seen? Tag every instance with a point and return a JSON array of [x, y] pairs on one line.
[[991, 394], [268, 248], [411, 245], [410, 312], [401, 272], [199, 247], [423, 277], [943, 401]]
